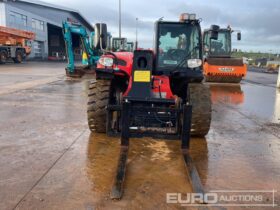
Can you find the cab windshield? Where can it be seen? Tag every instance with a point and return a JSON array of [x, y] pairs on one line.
[[177, 42], [119, 44], [221, 46], [28, 43]]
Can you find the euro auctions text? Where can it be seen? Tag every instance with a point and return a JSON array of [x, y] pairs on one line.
[[249, 198]]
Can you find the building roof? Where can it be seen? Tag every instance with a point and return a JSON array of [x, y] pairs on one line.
[[45, 4], [58, 7]]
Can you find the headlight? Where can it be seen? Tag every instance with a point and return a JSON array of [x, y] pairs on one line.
[[194, 63], [105, 61]]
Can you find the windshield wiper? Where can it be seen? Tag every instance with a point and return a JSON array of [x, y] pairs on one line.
[[184, 59]]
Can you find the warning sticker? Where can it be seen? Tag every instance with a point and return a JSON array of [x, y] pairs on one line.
[[142, 76]]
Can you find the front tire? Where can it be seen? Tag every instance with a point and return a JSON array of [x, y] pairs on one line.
[[98, 99], [3, 57], [19, 57]]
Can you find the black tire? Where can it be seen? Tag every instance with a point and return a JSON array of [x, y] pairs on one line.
[[3, 57], [200, 98], [19, 57], [98, 99]]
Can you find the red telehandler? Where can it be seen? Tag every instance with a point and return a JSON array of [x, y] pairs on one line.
[[156, 93]]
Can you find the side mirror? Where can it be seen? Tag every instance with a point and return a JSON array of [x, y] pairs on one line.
[[214, 32], [100, 36], [239, 36]]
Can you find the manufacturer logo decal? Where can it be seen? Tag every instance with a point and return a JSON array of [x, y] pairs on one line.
[[226, 69]]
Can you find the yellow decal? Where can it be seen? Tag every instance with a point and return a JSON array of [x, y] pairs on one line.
[[142, 76]]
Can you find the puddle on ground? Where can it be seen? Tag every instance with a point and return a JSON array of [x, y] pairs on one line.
[[255, 100], [154, 168]]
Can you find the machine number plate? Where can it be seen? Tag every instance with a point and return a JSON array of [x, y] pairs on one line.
[[170, 62], [226, 69], [142, 76]]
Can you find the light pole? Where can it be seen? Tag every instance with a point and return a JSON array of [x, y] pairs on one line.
[[278, 81], [120, 20], [136, 41], [270, 51]]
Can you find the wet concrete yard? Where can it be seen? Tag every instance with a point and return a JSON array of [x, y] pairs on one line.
[[50, 160]]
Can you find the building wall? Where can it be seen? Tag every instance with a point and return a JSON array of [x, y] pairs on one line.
[[20, 15], [2, 14], [41, 39]]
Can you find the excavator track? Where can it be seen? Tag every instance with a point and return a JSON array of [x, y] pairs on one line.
[[223, 79]]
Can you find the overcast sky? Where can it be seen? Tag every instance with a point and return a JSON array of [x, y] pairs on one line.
[[257, 19]]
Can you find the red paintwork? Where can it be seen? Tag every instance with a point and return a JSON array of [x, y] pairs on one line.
[[126, 56], [160, 83]]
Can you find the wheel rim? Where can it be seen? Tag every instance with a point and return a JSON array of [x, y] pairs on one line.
[[3, 57]]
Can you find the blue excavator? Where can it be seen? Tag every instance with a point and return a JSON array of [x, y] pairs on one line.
[[94, 44], [92, 48]]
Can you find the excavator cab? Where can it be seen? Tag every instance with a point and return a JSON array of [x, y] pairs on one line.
[[119, 44], [130, 46], [28, 46]]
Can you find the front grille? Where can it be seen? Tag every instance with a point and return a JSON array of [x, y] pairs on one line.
[[153, 119]]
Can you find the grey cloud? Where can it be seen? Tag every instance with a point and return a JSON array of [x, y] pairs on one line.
[[206, 12], [257, 22], [257, 19]]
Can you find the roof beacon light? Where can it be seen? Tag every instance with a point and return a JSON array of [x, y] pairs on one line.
[[192, 16], [187, 16]]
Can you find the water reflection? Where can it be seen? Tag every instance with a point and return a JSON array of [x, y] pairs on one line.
[[227, 93]]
